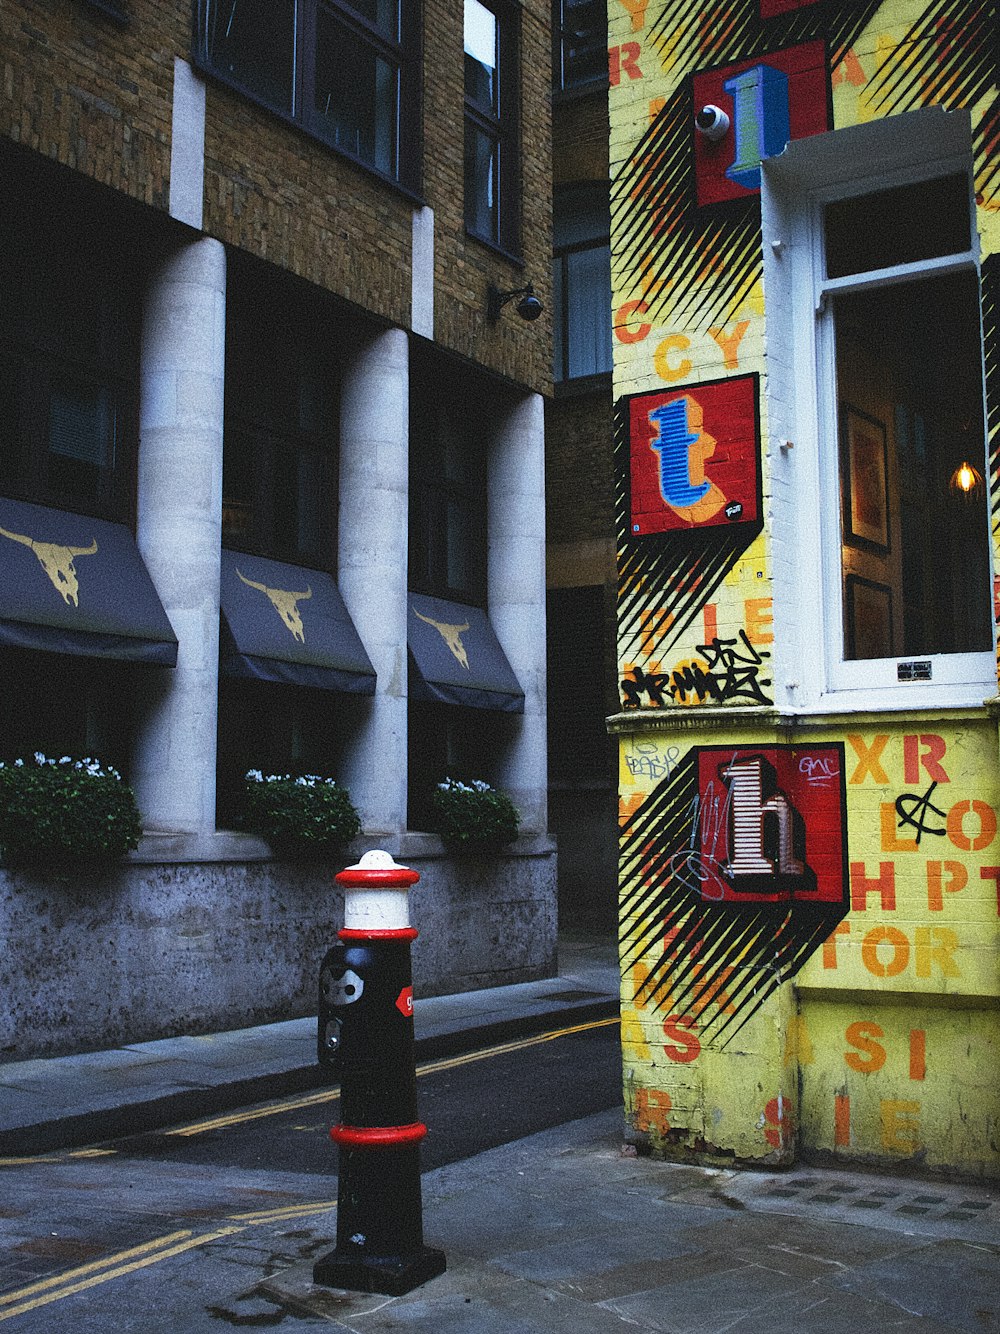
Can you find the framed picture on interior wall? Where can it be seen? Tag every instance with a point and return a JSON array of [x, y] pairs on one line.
[[865, 470], [869, 618]]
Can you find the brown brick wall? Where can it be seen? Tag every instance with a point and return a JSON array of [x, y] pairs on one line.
[[579, 477], [464, 267], [578, 427], [580, 138], [97, 97], [86, 93]]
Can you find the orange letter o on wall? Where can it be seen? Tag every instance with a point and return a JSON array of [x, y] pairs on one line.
[[900, 947], [987, 825]]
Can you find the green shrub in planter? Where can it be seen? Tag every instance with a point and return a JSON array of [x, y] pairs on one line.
[[300, 816], [473, 819], [76, 812]]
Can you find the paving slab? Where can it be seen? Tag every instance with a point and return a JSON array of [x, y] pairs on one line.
[[568, 1230]]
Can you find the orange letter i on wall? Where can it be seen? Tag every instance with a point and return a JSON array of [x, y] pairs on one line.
[[841, 1121], [710, 613], [918, 1053]]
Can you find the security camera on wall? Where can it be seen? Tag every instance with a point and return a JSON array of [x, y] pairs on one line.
[[711, 121]]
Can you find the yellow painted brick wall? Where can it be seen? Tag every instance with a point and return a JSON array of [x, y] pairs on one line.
[[884, 1046]]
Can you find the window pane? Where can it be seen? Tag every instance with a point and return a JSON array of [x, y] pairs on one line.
[[482, 172], [558, 321], [252, 42], [899, 226], [81, 438], [459, 540], [317, 402], [238, 488], [448, 487], [915, 556], [481, 83], [588, 334], [11, 444], [298, 491], [356, 96], [382, 14]]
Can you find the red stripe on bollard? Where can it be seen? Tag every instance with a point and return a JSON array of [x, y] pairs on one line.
[[378, 933], [380, 877], [378, 1137]]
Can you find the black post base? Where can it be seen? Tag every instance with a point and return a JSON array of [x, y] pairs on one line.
[[392, 1275]]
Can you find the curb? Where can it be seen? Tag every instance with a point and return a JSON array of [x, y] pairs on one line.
[[97, 1126]]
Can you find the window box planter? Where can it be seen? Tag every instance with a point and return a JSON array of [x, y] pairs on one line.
[[300, 816], [473, 819], [66, 812]]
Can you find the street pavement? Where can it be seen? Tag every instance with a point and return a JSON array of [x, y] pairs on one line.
[[566, 1230], [57, 1102]]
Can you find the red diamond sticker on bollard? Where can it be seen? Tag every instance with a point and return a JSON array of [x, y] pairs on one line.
[[404, 1002]]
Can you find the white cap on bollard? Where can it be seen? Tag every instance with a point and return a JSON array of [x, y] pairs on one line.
[[375, 893]]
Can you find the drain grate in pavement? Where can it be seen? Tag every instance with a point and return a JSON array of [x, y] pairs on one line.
[[815, 1190]]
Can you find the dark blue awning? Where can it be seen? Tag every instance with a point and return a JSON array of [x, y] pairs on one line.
[[69, 584], [456, 658], [288, 624]]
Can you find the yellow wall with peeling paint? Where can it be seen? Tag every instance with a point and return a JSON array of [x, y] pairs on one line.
[[855, 1010]]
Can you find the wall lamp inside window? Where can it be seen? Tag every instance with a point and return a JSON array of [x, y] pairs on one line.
[[966, 481], [529, 307]]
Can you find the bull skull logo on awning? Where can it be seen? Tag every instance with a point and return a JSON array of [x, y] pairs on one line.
[[57, 562], [285, 603], [452, 636]]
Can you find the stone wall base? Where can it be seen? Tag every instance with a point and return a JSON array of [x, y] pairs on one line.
[[153, 950]]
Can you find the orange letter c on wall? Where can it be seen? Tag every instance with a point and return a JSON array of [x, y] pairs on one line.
[[673, 343]]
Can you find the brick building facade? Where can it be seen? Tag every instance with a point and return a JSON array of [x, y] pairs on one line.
[[579, 476], [246, 332]]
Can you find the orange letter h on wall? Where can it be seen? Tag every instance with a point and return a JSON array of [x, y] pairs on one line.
[[862, 886]]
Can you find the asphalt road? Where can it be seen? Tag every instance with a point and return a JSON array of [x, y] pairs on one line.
[[469, 1103], [175, 1231]]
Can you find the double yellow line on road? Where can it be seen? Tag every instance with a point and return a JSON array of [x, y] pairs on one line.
[[57, 1287], [100, 1271], [48, 1290], [426, 1068]]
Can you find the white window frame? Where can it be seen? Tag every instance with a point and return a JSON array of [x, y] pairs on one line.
[[811, 671]]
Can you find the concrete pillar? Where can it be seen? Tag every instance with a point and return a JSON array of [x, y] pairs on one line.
[[372, 562], [179, 530], [422, 273], [516, 593]]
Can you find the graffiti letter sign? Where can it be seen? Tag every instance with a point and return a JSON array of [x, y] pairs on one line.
[[695, 456], [771, 826], [769, 100]]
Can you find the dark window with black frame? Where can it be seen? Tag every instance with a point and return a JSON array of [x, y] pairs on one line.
[[346, 72], [279, 500], [491, 125], [444, 741], [282, 404], [62, 705], [581, 282], [277, 729], [70, 329], [448, 508], [69, 369], [580, 47], [447, 559]]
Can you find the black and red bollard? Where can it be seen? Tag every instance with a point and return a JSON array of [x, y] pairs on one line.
[[366, 1032]]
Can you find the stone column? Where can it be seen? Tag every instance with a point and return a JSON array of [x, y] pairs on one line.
[[516, 592], [372, 565], [179, 531]]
